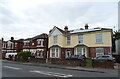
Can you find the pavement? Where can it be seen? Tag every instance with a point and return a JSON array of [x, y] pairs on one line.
[[78, 68]]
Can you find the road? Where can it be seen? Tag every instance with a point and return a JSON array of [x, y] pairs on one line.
[[19, 70]]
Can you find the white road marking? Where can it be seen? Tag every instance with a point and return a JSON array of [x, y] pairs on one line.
[[11, 67], [52, 73]]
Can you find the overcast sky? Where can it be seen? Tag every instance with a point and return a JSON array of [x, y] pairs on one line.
[[28, 18]]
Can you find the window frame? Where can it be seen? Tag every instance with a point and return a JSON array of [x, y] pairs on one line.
[[55, 40], [99, 38], [68, 40], [80, 39], [55, 54], [99, 53]]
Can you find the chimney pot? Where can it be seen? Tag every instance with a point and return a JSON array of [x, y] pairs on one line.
[[12, 38], [66, 28], [86, 26], [2, 39]]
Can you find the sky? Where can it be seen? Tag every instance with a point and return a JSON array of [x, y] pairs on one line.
[[28, 18]]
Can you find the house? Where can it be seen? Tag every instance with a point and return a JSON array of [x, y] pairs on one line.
[[4, 46], [11, 47], [89, 42], [37, 45], [0, 49]]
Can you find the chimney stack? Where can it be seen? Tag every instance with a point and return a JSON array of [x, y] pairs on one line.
[[86, 26], [66, 28], [12, 38], [2, 39]]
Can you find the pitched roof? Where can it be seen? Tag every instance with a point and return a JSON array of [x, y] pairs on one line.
[[88, 30], [41, 36], [44, 35], [62, 31]]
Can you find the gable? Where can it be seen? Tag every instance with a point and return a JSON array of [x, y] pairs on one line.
[[55, 31]]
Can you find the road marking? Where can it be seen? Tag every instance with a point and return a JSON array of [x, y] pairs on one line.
[[52, 73], [11, 67]]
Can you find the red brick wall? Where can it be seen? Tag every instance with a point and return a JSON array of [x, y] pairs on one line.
[[92, 51]]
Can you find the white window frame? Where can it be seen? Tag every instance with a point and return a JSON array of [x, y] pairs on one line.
[[40, 53], [99, 51], [80, 39], [15, 44], [99, 38], [78, 51], [55, 40], [55, 54], [40, 42], [26, 43], [68, 40]]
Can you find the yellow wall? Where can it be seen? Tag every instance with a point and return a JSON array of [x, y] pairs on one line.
[[89, 39]]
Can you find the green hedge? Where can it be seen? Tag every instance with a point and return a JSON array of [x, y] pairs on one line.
[[24, 55], [88, 62]]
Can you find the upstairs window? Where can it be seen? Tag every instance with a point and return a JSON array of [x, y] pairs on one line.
[[40, 42], [80, 39], [68, 39], [15, 44], [26, 43], [4, 45], [8, 45], [99, 38], [55, 38]]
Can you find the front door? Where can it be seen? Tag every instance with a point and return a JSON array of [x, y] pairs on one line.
[[68, 53]]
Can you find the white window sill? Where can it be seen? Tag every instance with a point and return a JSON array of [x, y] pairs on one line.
[[40, 46], [54, 57], [100, 43]]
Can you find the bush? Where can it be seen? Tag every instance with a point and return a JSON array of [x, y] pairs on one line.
[[24, 55], [88, 62]]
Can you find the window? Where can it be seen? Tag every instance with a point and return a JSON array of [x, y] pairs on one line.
[[68, 40], [99, 51], [98, 38], [15, 44], [79, 51], [9, 45], [4, 45], [26, 43], [57, 52], [39, 54], [53, 52], [40, 42], [80, 39], [55, 40]]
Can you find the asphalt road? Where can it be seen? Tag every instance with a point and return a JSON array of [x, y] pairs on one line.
[[18, 70]]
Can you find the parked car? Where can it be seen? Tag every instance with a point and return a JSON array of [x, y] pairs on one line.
[[104, 58], [76, 57]]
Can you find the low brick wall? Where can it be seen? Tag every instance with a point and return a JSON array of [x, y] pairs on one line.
[[103, 64], [37, 60], [67, 62]]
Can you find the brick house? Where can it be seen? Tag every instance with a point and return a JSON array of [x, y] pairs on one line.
[[37, 45], [90, 42], [11, 46]]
